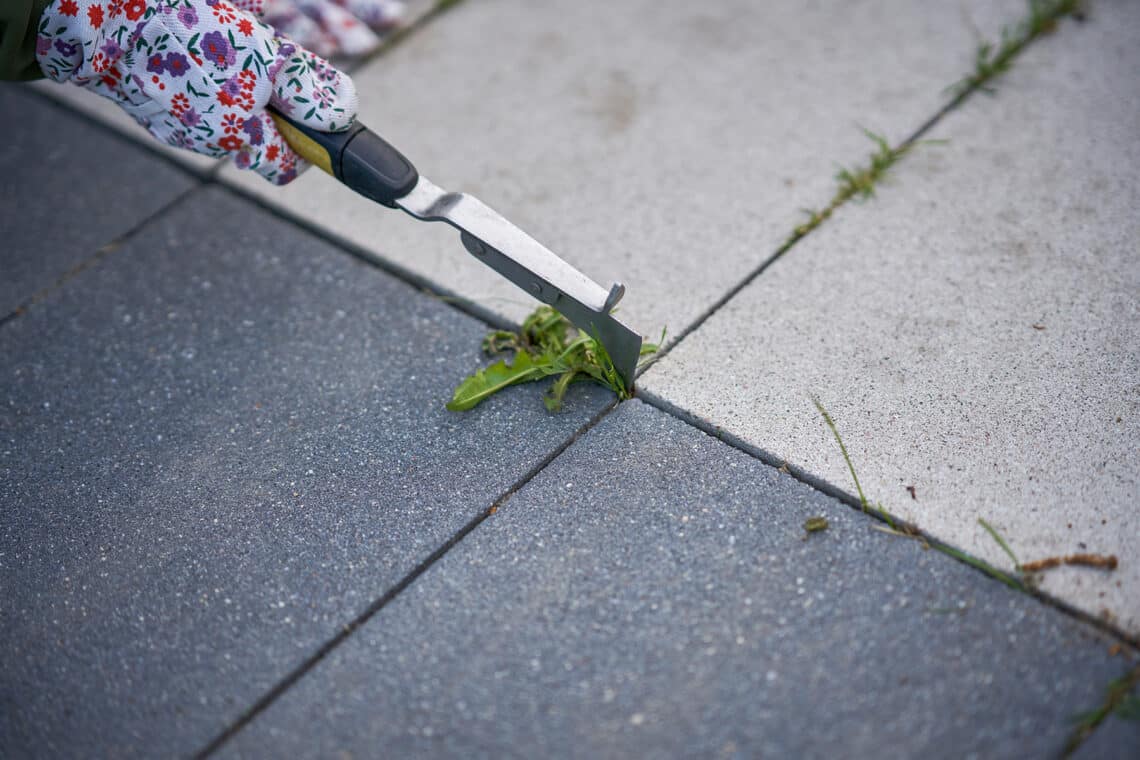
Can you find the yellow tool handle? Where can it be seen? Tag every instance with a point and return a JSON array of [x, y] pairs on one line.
[[305, 146]]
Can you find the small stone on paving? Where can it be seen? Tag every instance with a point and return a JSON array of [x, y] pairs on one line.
[[218, 447], [653, 592]]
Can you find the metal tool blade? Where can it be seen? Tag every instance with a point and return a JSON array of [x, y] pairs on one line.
[[530, 265]]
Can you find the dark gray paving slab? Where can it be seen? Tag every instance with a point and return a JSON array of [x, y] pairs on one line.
[[651, 594], [1117, 738], [68, 187], [218, 447]]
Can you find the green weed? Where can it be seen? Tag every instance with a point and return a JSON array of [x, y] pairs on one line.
[[548, 345], [899, 528], [992, 60], [858, 183], [876, 508], [978, 564], [1025, 572], [1118, 700], [1001, 542]]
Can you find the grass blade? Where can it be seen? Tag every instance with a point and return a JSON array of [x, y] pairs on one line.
[[843, 449], [1001, 542]]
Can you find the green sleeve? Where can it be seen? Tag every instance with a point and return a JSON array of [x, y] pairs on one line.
[[19, 20]]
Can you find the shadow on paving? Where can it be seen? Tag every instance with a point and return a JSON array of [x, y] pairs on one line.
[[651, 593], [218, 447]]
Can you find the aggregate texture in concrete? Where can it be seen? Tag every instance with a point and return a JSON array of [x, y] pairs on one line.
[[218, 447], [973, 329], [67, 189], [670, 146], [653, 593]]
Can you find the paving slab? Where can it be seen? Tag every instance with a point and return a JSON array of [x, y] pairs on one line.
[[55, 210], [217, 448], [671, 146], [973, 330], [102, 110], [1117, 738], [651, 594], [105, 111]]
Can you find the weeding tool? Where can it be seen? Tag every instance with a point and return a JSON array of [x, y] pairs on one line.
[[366, 163]]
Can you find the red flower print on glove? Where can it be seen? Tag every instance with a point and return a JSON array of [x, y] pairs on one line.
[[134, 9], [197, 74]]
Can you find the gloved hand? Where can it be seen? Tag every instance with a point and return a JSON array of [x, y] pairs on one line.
[[334, 27], [380, 15], [198, 74]]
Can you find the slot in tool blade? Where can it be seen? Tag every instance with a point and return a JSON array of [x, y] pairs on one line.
[[364, 161], [531, 266]]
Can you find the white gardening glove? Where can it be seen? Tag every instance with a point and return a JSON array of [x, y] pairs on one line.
[[198, 74], [334, 27], [380, 15]]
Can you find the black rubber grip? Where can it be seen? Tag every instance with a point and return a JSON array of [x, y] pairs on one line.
[[364, 161], [373, 168]]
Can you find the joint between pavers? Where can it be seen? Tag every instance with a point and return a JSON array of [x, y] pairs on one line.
[[973, 86], [1117, 692], [420, 283], [664, 350], [912, 531], [100, 253], [150, 145], [299, 672]]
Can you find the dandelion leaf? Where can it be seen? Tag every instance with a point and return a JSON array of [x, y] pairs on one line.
[[490, 380]]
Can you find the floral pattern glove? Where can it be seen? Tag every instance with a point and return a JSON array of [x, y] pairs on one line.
[[321, 26], [197, 74], [380, 15]]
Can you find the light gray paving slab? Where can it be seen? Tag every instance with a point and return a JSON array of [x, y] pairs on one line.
[[973, 329], [1117, 738], [671, 146], [55, 208], [217, 448], [651, 594]]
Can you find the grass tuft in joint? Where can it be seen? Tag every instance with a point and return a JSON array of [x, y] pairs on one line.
[[1001, 542], [858, 183], [991, 61], [900, 528], [1027, 571], [1119, 700], [548, 345]]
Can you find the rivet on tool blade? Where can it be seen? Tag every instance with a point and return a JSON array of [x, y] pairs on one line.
[[617, 290]]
